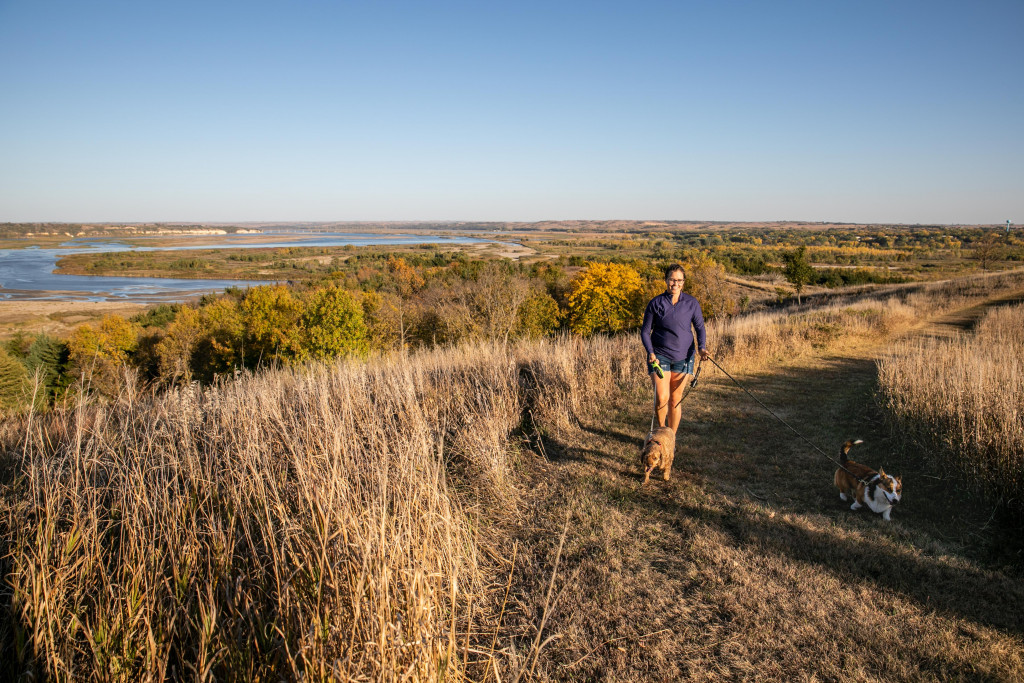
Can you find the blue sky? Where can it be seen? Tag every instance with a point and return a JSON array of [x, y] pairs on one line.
[[713, 110]]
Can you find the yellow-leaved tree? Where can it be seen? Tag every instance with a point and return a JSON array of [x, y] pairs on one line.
[[174, 351], [221, 350], [606, 297], [332, 325], [538, 316], [270, 317], [100, 354]]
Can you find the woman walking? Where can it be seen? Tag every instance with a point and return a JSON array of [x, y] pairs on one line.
[[668, 338]]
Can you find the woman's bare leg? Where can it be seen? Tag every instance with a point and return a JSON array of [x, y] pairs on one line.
[[662, 388], [678, 382]]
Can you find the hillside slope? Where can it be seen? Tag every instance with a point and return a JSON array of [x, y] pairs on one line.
[[746, 565]]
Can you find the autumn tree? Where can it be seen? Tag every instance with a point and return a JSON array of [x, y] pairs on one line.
[[988, 249], [332, 324], [606, 297], [386, 317], [270, 316], [174, 351], [404, 277], [495, 300], [99, 354], [445, 314], [396, 309], [798, 270], [538, 316], [221, 349], [706, 282]]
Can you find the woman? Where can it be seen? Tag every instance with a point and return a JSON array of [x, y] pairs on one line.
[[668, 339]]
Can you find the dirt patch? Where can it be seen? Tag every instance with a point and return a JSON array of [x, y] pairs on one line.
[[57, 318]]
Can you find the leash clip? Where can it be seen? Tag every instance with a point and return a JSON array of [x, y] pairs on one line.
[[696, 375]]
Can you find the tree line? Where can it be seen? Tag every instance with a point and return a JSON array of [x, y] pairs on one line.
[[398, 305]]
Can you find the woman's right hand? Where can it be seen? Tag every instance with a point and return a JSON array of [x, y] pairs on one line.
[[651, 358]]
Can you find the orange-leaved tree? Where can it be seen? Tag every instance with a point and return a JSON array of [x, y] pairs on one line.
[[606, 297], [706, 282]]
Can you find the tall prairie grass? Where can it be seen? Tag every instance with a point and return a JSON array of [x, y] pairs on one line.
[[323, 522], [963, 399], [749, 342]]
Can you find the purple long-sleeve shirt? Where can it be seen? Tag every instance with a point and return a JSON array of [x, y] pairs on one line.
[[666, 329]]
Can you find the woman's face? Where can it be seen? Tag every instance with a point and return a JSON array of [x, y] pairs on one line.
[[674, 283]]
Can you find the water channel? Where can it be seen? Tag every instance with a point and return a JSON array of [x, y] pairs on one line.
[[28, 274]]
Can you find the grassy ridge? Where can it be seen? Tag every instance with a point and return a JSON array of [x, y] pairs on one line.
[[377, 521]]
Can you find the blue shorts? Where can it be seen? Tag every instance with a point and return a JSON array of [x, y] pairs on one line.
[[682, 367]]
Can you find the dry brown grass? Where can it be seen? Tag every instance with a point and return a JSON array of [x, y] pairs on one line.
[[962, 399], [754, 341], [386, 521], [323, 522], [748, 567], [285, 525]]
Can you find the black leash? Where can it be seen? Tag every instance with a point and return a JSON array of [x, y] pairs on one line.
[[791, 428]]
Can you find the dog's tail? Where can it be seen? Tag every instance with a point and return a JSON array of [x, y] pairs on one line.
[[846, 449]]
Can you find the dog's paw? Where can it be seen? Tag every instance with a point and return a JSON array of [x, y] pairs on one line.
[[856, 506], [842, 496]]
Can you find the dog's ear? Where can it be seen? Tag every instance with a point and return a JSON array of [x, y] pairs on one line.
[[881, 472]]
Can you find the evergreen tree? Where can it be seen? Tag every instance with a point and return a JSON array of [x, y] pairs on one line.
[[15, 386], [47, 357]]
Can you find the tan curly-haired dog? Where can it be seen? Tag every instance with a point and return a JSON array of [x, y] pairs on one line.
[[659, 451]]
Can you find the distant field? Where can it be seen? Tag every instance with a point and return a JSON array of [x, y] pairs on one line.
[[880, 253], [752, 254]]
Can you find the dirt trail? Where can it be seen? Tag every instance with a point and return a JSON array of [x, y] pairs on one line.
[[965, 319], [747, 565]]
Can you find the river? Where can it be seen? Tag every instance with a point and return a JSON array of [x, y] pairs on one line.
[[27, 274]]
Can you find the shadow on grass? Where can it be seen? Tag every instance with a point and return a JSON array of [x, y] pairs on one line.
[[732, 446], [729, 438], [943, 584]]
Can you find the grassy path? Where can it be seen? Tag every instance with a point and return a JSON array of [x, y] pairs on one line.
[[746, 565], [965, 319]]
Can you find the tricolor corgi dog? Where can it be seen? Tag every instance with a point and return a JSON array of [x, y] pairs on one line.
[[878, 490]]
